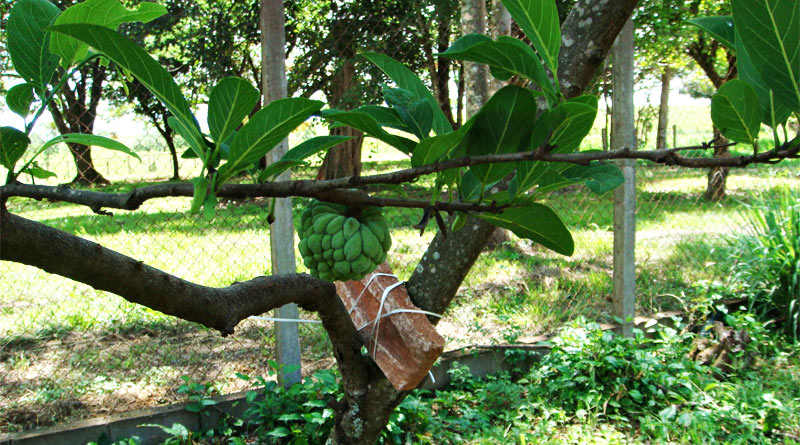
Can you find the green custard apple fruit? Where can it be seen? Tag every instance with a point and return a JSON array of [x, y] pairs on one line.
[[338, 243]]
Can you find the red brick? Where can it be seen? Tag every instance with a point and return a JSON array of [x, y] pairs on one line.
[[408, 344]]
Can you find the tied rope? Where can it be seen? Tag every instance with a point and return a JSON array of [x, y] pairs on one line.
[[376, 322]]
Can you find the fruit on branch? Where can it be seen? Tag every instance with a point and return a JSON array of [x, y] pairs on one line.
[[341, 243]]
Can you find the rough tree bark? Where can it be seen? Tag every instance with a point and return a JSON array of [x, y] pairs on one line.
[[77, 115], [368, 396], [663, 110], [344, 159]]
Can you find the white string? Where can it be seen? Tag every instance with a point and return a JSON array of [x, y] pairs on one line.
[[380, 315], [283, 320], [368, 284]]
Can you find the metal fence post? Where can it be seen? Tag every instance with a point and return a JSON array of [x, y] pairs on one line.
[[623, 134]]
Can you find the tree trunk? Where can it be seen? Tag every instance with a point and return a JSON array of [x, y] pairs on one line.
[[476, 75], [77, 114], [718, 176], [176, 176], [663, 110], [87, 174], [345, 159], [444, 65]]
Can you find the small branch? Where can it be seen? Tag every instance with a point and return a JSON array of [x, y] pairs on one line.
[[341, 190], [313, 189]]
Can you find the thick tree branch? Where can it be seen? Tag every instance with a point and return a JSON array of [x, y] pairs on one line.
[[54, 251]]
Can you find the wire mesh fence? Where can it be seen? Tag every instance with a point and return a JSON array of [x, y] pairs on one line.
[[69, 352]]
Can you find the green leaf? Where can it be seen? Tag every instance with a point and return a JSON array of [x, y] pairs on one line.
[[507, 56], [405, 78], [364, 122], [209, 206], [735, 110], [153, 76], [199, 196], [772, 113], [566, 126], [439, 147], [571, 122], [28, 42], [503, 125], [13, 144], [769, 31], [385, 116], [535, 222], [38, 172], [599, 177], [539, 21], [19, 99], [719, 27], [295, 156], [107, 13], [417, 115], [264, 130], [89, 140], [231, 100], [196, 143]]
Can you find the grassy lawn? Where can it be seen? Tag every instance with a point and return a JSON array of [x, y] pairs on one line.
[[68, 351]]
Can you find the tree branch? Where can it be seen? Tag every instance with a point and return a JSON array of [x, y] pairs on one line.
[[135, 198], [54, 251], [340, 190]]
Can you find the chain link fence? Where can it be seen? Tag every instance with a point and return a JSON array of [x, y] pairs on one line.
[[69, 352]]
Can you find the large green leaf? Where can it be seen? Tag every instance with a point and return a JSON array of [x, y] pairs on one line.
[[231, 100], [385, 116], [735, 110], [503, 125], [439, 147], [13, 144], [108, 13], [298, 153], [571, 122], [153, 76], [415, 113], [719, 27], [773, 113], [364, 122], [505, 56], [539, 21], [599, 177], [92, 140], [566, 126], [28, 42], [770, 31], [264, 130], [405, 78], [19, 98], [535, 222]]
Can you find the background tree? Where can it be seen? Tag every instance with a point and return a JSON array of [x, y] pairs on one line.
[[665, 43]]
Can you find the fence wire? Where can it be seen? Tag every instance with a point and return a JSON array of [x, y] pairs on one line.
[[69, 352]]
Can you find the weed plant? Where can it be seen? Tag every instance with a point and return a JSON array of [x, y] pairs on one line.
[[769, 258]]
